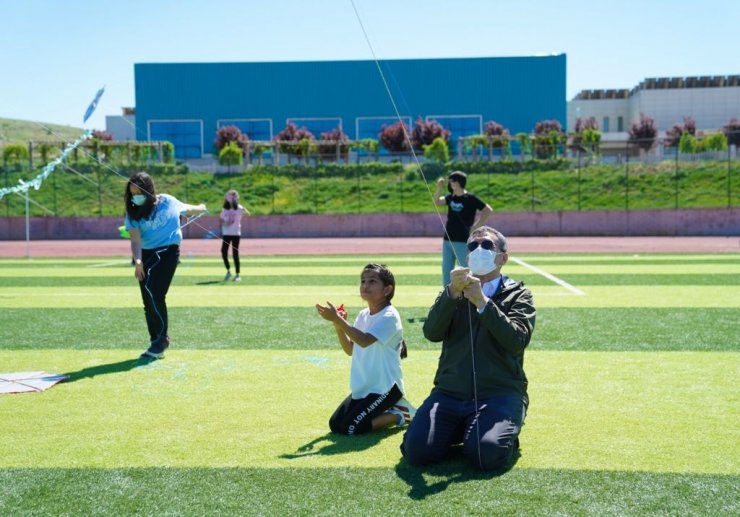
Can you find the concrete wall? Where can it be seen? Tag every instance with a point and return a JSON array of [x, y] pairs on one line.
[[722, 222]]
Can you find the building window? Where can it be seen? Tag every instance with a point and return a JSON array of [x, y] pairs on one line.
[[258, 129], [605, 125], [316, 125], [370, 127], [620, 124], [186, 135], [459, 125]]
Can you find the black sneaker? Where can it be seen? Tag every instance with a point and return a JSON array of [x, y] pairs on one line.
[[157, 351]]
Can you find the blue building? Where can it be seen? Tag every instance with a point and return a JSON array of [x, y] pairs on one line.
[[186, 103]]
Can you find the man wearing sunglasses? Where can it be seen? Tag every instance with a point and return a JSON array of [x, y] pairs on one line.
[[462, 207], [484, 321]]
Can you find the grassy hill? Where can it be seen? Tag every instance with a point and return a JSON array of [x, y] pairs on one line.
[[21, 131]]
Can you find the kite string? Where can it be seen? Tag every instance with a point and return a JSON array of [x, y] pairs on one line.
[[439, 216]]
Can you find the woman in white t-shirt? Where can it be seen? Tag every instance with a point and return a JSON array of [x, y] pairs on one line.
[[376, 345], [231, 231]]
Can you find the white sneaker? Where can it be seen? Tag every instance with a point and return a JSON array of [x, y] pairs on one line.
[[228, 275], [404, 410], [237, 278]]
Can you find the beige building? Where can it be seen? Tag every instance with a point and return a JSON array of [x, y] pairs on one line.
[[710, 101]]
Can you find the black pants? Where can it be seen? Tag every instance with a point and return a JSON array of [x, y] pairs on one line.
[[234, 241], [354, 416], [159, 268]]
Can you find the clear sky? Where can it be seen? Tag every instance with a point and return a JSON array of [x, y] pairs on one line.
[[56, 54]]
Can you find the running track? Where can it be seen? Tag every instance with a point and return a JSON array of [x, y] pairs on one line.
[[379, 246]]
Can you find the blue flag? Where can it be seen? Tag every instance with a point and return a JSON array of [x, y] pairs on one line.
[[93, 105]]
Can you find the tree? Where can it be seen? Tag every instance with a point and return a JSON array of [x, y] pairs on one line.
[[332, 138], [394, 137], [585, 128], [732, 131], [674, 134], [497, 134], [437, 151], [294, 135], [424, 133], [643, 133], [228, 134], [230, 155], [547, 135], [102, 135]]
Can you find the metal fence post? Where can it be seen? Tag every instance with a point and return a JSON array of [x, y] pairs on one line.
[[579, 180], [532, 193], [729, 176], [675, 181], [627, 177]]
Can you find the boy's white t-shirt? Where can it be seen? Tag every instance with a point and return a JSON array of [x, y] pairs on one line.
[[377, 367]]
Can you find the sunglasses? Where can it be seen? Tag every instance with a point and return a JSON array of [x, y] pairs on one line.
[[486, 244]]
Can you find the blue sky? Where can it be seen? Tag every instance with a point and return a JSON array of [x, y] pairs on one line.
[[56, 54]]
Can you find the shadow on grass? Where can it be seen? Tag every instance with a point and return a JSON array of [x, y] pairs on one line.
[[456, 468], [331, 443], [105, 369], [210, 282]]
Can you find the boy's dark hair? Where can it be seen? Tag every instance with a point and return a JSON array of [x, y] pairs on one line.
[[231, 204], [146, 185], [387, 278], [460, 177]]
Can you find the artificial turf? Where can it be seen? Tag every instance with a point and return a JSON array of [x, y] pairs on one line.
[[633, 405]]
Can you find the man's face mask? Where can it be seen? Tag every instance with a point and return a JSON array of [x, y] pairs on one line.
[[482, 257]]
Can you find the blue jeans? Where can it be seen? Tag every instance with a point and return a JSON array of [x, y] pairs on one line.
[[488, 435], [452, 251]]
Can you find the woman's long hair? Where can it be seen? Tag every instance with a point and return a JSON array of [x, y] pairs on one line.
[[231, 200], [146, 185]]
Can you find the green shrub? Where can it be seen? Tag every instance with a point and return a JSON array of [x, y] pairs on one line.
[[714, 142], [15, 154], [437, 151], [231, 154], [687, 144]]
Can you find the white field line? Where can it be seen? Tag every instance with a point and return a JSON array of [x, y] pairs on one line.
[[106, 264], [549, 276]]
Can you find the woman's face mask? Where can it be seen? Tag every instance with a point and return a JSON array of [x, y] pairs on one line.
[[482, 261], [138, 199]]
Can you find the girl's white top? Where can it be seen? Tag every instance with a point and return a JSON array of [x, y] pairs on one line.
[[231, 221], [377, 367]]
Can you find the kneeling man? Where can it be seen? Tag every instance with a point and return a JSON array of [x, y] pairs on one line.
[[484, 321]]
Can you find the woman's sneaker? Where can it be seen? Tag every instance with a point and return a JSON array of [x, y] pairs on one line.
[[404, 410], [228, 275], [157, 351], [237, 278]]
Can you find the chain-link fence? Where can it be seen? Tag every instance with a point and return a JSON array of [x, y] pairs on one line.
[[615, 176]]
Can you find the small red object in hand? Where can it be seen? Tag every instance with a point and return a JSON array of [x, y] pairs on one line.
[[342, 311]]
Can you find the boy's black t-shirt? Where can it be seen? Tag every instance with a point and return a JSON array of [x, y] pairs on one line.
[[461, 215]]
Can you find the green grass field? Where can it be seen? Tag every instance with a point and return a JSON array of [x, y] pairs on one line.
[[635, 405]]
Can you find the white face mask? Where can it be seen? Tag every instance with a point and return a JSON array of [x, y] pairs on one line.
[[481, 261], [138, 199]]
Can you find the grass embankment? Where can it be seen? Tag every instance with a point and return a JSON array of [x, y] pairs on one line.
[[92, 190]]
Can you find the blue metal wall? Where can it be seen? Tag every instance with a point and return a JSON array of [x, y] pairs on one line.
[[514, 91]]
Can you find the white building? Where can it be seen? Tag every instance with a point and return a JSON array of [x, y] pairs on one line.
[[122, 127], [710, 101]]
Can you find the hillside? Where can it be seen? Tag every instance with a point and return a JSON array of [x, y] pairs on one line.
[[21, 131]]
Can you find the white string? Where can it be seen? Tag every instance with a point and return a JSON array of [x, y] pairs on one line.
[[439, 216]]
